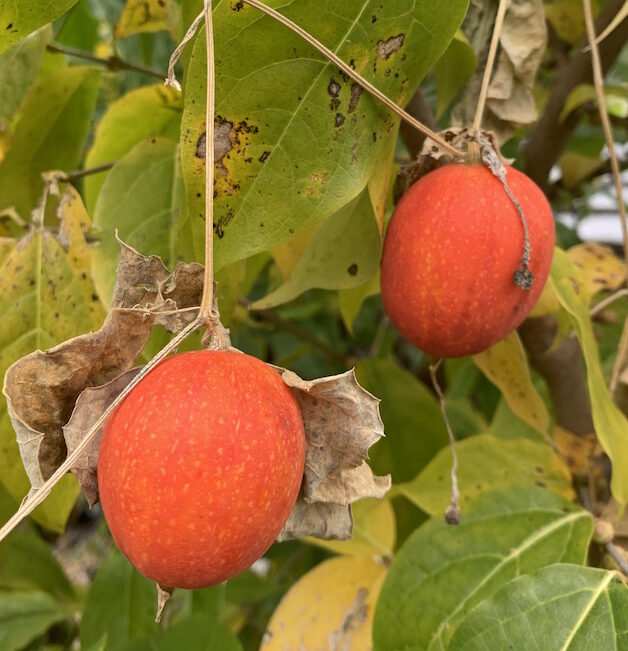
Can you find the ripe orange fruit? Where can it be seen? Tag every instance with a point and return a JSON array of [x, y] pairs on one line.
[[451, 251], [200, 466]]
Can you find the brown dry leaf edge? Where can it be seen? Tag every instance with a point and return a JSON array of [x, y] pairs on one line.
[[55, 397]]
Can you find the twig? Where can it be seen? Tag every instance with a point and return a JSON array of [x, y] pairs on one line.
[[605, 302], [113, 63], [618, 557], [327, 53], [78, 174], [40, 494], [598, 84], [490, 62], [452, 513]]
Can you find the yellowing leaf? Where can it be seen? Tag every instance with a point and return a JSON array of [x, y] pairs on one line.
[[379, 183], [547, 303], [331, 607], [576, 167], [142, 16], [350, 300], [374, 530], [599, 267], [611, 426], [486, 462], [506, 366], [578, 451], [46, 296], [567, 19]]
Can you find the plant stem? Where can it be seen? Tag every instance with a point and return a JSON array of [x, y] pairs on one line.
[[598, 84], [605, 302], [490, 62], [452, 513], [350, 72], [78, 174], [207, 300], [32, 502], [113, 63]]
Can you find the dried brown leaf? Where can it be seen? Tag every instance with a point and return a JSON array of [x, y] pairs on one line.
[[42, 388], [341, 421], [523, 39], [323, 520], [90, 405]]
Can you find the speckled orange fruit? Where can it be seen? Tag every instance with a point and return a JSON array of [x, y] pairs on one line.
[[200, 466], [452, 247]]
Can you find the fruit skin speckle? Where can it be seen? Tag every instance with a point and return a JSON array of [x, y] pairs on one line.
[[451, 249], [200, 466]]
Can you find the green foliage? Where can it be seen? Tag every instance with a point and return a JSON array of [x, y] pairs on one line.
[[591, 606], [24, 616], [306, 164], [441, 572], [49, 135], [290, 123]]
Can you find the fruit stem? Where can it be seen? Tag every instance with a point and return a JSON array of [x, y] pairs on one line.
[[490, 62], [452, 512], [350, 72], [32, 501], [207, 310], [598, 84]]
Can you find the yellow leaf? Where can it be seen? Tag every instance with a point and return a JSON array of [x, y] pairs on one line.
[[331, 607], [576, 167], [599, 267], [379, 183], [487, 462], [547, 303], [578, 451], [142, 16], [287, 255], [506, 366], [374, 530], [611, 426]]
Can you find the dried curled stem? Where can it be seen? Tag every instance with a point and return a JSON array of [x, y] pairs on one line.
[[452, 512]]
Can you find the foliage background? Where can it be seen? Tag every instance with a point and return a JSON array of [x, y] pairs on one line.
[[305, 168]]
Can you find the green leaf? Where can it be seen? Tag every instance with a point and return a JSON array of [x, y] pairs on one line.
[[442, 571], [100, 645], [296, 142], [412, 419], [139, 199], [120, 129], [374, 530], [486, 462], [121, 603], [200, 633], [558, 608], [19, 67], [615, 99], [611, 426], [453, 70], [46, 297], [49, 135], [18, 18], [343, 253], [24, 616], [27, 562]]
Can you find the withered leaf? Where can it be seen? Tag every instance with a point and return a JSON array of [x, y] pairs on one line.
[[523, 40], [90, 405], [42, 388], [341, 421]]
